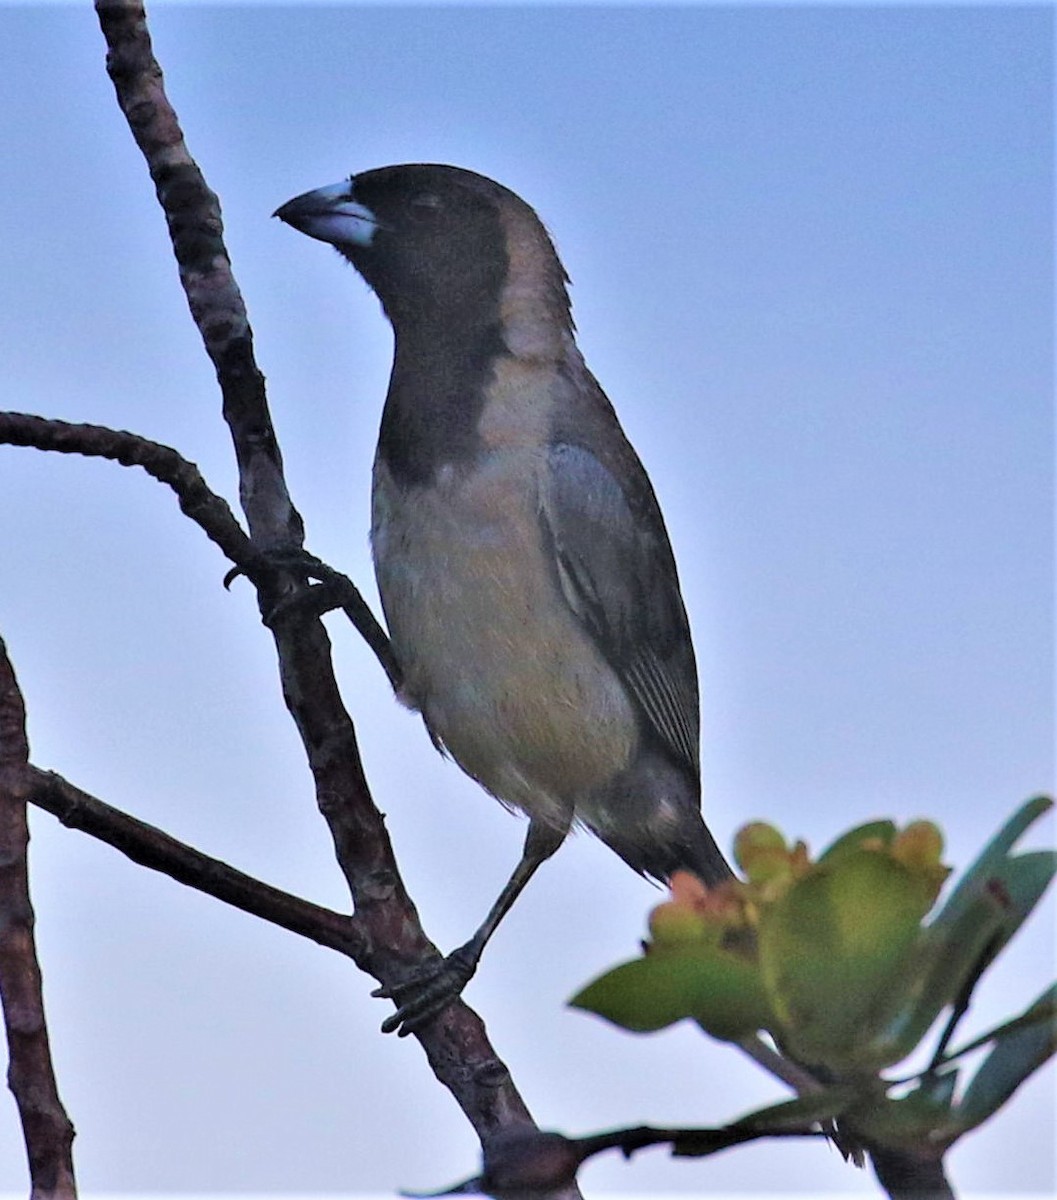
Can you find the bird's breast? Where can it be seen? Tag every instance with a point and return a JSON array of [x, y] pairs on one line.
[[493, 657]]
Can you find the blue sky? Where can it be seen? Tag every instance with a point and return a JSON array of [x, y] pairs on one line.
[[812, 261]]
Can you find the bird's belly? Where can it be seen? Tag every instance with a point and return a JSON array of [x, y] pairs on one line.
[[493, 657]]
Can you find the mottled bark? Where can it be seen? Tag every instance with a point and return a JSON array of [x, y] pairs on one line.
[[31, 1076]]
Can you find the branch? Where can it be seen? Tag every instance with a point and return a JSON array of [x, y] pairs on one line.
[[906, 1177], [458, 1050], [150, 847], [336, 590], [196, 231], [798, 1077], [31, 1076], [529, 1162], [208, 510]]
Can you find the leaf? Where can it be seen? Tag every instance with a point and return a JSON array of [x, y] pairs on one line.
[[634, 997], [992, 855], [908, 1121], [986, 909], [942, 959], [833, 953], [873, 831], [719, 990], [1023, 879], [1017, 1054]]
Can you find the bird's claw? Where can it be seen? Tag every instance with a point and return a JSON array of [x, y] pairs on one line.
[[320, 588], [428, 992], [299, 561]]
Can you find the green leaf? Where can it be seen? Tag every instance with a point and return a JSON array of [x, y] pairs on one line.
[[1017, 1054], [1023, 880], [908, 1121], [881, 831], [634, 997], [719, 990], [994, 853], [988, 906], [833, 953], [942, 959]]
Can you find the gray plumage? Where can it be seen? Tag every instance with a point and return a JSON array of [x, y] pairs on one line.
[[526, 575]]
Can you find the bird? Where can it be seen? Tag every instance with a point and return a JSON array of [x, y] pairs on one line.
[[525, 571]]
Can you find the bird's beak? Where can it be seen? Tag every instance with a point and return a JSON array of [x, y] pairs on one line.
[[330, 214]]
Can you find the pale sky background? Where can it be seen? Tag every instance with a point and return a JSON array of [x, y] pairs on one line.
[[812, 259]]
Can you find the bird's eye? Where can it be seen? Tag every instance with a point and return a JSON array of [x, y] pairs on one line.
[[425, 205]]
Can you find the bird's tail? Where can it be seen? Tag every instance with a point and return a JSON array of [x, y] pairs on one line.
[[698, 852], [689, 847]]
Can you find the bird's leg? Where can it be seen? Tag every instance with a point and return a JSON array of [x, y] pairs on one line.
[[430, 990]]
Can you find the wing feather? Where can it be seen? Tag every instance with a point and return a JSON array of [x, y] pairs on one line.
[[616, 571]]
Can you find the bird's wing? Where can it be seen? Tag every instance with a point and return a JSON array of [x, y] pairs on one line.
[[617, 573]]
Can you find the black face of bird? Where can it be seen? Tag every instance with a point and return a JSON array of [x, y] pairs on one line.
[[428, 239]]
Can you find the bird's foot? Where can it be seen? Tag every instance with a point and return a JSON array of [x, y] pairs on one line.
[[429, 991], [298, 561], [307, 600], [321, 589]]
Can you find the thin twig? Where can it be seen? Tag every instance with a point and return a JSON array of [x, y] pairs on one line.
[[208, 510], [525, 1162], [797, 1077], [196, 230], [150, 847], [46, 1127]]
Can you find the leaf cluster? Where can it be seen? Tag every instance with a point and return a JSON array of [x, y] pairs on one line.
[[844, 961]]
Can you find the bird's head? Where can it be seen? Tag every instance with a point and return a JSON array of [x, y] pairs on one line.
[[436, 243]]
